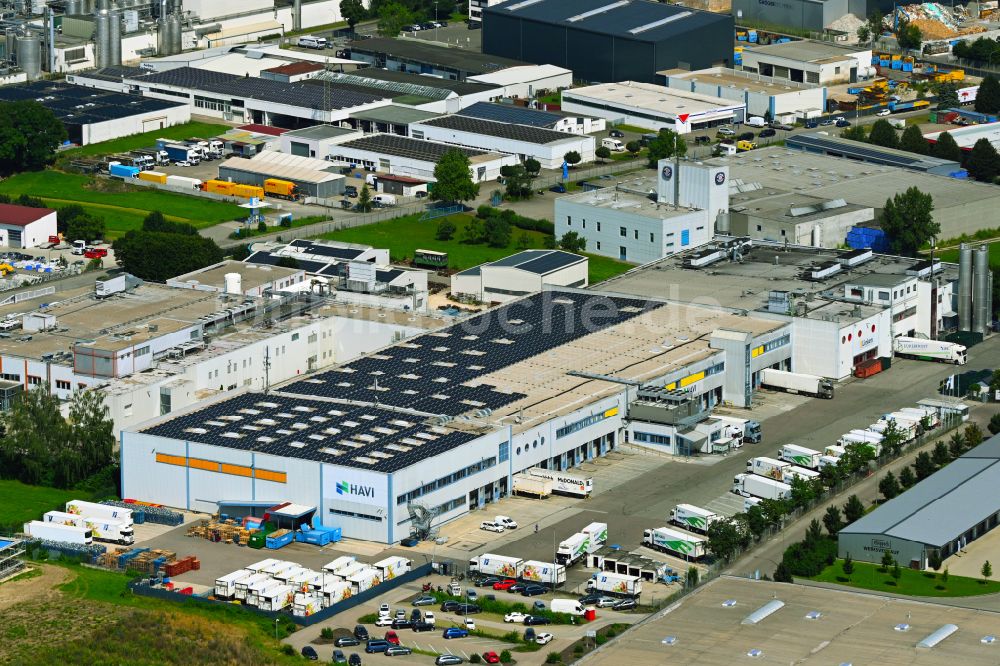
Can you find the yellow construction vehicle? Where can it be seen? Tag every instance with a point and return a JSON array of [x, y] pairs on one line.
[[5, 270]]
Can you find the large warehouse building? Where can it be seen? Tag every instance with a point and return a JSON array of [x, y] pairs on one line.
[[955, 505], [446, 418], [605, 40]]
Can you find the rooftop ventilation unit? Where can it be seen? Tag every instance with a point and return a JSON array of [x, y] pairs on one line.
[[938, 636], [763, 612]]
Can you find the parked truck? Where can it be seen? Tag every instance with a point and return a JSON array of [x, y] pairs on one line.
[[597, 536], [243, 585], [281, 189], [850, 440], [800, 455], [573, 549], [545, 573], [105, 511], [930, 350], [933, 420], [157, 177], [834, 450], [497, 565], [111, 531], [339, 563], [225, 587], [257, 590], [828, 461], [793, 472], [744, 430], [123, 171], [682, 544], [793, 382], [56, 532], [612, 583], [181, 153], [365, 579], [532, 486], [769, 467], [693, 517], [569, 606], [751, 485], [391, 567], [566, 484], [184, 181]]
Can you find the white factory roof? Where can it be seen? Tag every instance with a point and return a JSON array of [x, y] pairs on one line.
[[512, 75], [283, 165], [238, 63], [966, 137], [654, 97]]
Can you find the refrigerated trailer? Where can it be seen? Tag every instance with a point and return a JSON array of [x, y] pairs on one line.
[[100, 511], [532, 486], [546, 573], [61, 533], [497, 565], [751, 485], [800, 455], [769, 467], [573, 549], [225, 587], [612, 583], [111, 531], [793, 382], [564, 483], [693, 517], [674, 541], [930, 350], [597, 536]]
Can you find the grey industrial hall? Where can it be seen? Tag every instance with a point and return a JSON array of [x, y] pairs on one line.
[[608, 41]]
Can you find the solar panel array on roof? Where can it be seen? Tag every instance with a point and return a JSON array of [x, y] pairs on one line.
[[401, 146], [366, 437], [436, 372], [549, 262], [508, 113], [855, 149], [300, 94], [536, 135], [82, 106]]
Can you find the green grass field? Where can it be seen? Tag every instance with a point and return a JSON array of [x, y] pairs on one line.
[[121, 206], [147, 140], [403, 235], [952, 255], [20, 503], [914, 583]]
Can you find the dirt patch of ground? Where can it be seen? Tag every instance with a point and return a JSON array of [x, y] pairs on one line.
[[37, 588]]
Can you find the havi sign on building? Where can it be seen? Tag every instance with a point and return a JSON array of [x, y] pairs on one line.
[[352, 485]]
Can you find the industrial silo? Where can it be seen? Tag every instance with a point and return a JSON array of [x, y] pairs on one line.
[[102, 38], [114, 38], [297, 15], [29, 55], [174, 31], [74, 7], [981, 289], [964, 288]]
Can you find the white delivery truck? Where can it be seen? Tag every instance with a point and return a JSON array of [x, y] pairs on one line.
[[573, 549], [288, 574], [834, 450], [258, 567], [111, 531], [750, 502], [185, 182], [769, 467], [693, 517], [225, 587], [338, 564], [921, 412], [569, 606], [751, 485], [56, 532], [391, 567], [276, 598], [497, 565], [612, 583], [597, 533], [614, 145], [257, 590], [364, 580], [100, 511], [334, 591], [305, 604], [532, 486], [564, 483], [850, 439], [756, 121], [546, 573], [800, 455], [828, 461], [682, 544], [307, 580], [346, 572], [794, 472], [744, 430], [793, 382], [243, 586], [930, 350]]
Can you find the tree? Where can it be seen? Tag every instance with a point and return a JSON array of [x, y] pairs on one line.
[[906, 477], [883, 134], [944, 576], [288, 262], [986, 571], [782, 574], [773, 510], [983, 162], [505, 657], [32, 426], [518, 182], [895, 572], [814, 532], [572, 158], [634, 148], [875, 26], [724, 538], [907, 220], [155, 221], [453, 174], [756, 523], [892, 438], [947, 96], [532, 166], [887, 560], [85, 227], [474, 232], [498, 231], [523, 241], [353, 12], [692, 577], [573, 242], [853, 509], [889, 486], [923, 466], [994, 424], [988, 95], [973, 436], [445, 230], [802, 492], [603, 153], [940, 456], [848, 565], [946, 148], [934, 559], [29, 136], [364, 204], [908, 36], [864, 33], [855, 133], [832, 521], [157, 256], [392, 16], [913, 141], [667, 143], [956, 445]]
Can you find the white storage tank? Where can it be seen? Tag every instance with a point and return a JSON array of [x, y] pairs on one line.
[[234, 284]]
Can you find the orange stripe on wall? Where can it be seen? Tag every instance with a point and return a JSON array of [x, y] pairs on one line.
[[208, 465], [236, 470], [268, 475], [171, 460]]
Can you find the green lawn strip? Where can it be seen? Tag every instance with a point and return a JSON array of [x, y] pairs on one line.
[[250, 232], [912, 583], [634, 128], [952, 255], [148, 139], [20, 503]]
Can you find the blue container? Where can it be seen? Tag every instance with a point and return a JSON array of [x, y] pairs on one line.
[[274, 543], [123, 171]]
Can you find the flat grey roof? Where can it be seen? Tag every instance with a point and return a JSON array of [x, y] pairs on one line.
[[804, 50], [321, 132], [526, 133], [944, 505], [394, 114], [401, 146], [421, 51]]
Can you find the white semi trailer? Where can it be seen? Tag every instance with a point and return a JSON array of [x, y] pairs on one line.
[[794, 382], [930, 350]]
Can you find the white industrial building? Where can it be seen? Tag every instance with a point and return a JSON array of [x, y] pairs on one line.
[[653, 106], [423, 92], [316, 141], [779, 99], [526, 81], [798, 218], [393, 154], [810, 62], [523, 141], [24, 227], [418, 423], [237, 278], [520, 274], [520, 115], [637, 221]]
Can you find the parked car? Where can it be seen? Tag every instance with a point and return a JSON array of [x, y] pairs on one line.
[[702, 139], [470, 624], [411, 28], [449, 606], [398, 650], [766, 132], [384, 610], [384, 621], [529, 634], [491, 657], [415, 615], [544, 639], [558, 189], [616, 134], [826, 122], [471, 595], [504, 584], [422, 626], [309, 652], [409, 542], [488, 581], [535, 620], [625, 605], [360, 633], [454, 632], [346, 641], [590, 599], [538, 606], [351, 191], [727, 131], [517, 588], [355, 659], [514, 616], [883, 112], [448, 660], [339, 657], [490, 526], [392, 637], [745, 136], [427, 26], [402, 624], [377, 645], [606, 602], [533, 590], [424, 600], [429, 618], [812, 123], [400, 614], [468, 609], [843, 122]]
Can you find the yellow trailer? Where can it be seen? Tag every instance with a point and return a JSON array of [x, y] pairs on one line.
[[283, 189], [153, 177]]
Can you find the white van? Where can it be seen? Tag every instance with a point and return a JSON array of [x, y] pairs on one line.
[[571, 606], [384, 199], [756, 121], [614, 145], [311, 42]]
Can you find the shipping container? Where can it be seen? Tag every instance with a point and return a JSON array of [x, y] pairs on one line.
[[223, 187], [154, 177], [184, 181], [123, 171]]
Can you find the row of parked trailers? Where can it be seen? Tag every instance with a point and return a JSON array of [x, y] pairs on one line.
[[273, 585]]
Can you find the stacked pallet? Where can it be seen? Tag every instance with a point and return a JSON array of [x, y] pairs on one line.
[[178, 567], [229, 531], [148, 561]]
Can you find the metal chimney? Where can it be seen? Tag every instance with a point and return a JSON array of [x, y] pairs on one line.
[[297, 15], [981, 290], [964, 288]]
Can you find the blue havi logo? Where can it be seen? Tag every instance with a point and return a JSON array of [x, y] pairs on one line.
[[345, 488]]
